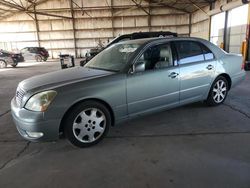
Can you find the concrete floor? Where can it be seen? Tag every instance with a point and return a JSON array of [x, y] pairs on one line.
[[191, 146]]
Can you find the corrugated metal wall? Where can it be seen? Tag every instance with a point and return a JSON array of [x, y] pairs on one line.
[[98, 24], [201, 21], [200, 24]]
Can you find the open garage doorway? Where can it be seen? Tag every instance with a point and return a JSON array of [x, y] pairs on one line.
[[217, 29], [228, 29], [237, 24]]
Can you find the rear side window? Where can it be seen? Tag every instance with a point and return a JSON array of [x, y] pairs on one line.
[[189, 52], [32, 50], [207, 53]]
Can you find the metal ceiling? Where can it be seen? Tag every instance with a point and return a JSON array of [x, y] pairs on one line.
[[10, 7]]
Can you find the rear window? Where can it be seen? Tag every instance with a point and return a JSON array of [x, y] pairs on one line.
[[189, 52], [41, 49]]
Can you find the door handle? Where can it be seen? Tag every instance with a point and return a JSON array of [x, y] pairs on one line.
[[210, 67], [173, 75]]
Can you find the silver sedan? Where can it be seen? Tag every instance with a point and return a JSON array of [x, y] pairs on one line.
[[125, 80]]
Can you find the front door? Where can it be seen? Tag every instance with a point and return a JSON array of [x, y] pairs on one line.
[[156, 84]]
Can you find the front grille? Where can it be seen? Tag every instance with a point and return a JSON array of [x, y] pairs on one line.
[[19, 96]]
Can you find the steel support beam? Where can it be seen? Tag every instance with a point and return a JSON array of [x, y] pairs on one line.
[[149, 15], [140, 6], [37, 27], [226, 33], [22, 9], [198, 7], [48, 14], [83, 11], [190, 24], [112, 17], [11, 5], [247, 50], [167, 5], [73, 25]]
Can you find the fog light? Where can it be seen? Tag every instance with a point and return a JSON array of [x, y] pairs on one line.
[[34, 134]]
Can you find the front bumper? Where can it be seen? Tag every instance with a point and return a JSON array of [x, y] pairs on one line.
[[28, 123]]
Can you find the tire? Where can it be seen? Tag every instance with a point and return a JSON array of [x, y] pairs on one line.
[[45, 59], [38, 58], [87, 124], [3, 64], [14, 65], [218, 91]]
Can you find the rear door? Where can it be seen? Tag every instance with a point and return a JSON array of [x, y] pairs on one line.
[[196, 64], [27, 54]]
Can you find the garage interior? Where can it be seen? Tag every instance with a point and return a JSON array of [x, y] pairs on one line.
[[190, 146]]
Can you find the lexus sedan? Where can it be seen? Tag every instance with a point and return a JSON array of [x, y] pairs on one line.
[[125, 80]]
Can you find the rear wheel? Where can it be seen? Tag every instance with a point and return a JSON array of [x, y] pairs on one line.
[[3, 64], [218, 91], [14, 64], [38, 58], [87, 124]]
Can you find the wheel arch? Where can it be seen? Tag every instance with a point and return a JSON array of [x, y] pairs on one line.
[[228, 78], [83, 100], [3, 60]]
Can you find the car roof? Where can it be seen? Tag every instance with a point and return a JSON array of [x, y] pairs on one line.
[[216, 50], [32, 47]]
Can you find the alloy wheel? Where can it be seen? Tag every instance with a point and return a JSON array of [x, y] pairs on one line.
[[219, 91], [89, 125], [38, 58], [2, 64]]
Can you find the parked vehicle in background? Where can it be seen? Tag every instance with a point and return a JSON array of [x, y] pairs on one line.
[[94, 51], [35, 53], [9, 58], [125, 80]]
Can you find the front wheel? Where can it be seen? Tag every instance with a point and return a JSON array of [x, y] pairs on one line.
[[3, 64], [14, 65], [87, 123], [218, 92]]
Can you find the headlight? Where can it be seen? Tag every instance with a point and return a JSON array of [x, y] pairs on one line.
[[40, 101]]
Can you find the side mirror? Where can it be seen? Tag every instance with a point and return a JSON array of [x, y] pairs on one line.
[[138, 67]]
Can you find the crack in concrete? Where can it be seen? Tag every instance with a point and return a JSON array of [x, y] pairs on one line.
[[16, 157], [182, 134], [11, 141], [4, 113], [237, 110]]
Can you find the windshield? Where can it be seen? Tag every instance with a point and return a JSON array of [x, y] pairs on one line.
[[114, 58]]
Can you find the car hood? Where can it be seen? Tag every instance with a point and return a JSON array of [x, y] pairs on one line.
[[62, 77]]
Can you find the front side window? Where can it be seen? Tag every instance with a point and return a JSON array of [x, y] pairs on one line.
[[157, 57], [33, 50], [189, 52]]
